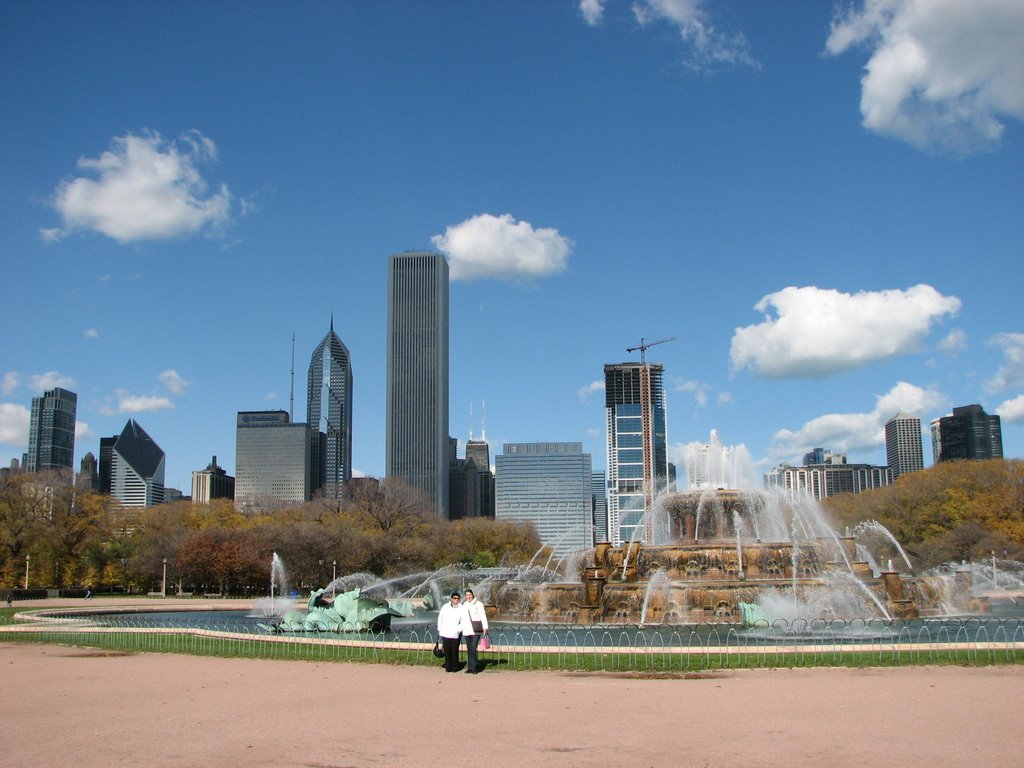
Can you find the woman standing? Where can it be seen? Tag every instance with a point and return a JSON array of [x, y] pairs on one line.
[[451, 621], [478, 627]]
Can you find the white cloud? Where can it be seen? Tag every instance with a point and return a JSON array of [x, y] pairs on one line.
[[1011, 374], [91, 333], [487, 246], [145, 188], [9, 383], [175, 384], [708, 48], [954, 342], [698, 389], [586, 391], [820, 332], [593, 11], [82, 432], [142, 403], [1012, 411], [846, 432], [49, 380], [941, 72], [14, 424]]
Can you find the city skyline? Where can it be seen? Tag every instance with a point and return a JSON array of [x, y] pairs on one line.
[[830, 239]]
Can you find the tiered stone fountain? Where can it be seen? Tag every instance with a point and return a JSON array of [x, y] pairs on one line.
[[724, 556]]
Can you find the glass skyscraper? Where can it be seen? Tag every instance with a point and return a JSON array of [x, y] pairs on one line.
[[417, 448], [637, 448], [272, 458], [549, 485], [51, 431], [967, 433], [329, 414]]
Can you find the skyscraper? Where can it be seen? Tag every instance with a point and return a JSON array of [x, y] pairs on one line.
[[967, 433], [549, 485], [272, 458], [212, 483], [637, 448], [137, 468], [51, 431], [329, 414], [599, 489], [417, 374], [903, 451]]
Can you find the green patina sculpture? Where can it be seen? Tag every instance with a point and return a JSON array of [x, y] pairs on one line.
[[347, 612]]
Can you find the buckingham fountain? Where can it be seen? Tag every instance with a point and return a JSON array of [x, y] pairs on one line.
[[720, 555]]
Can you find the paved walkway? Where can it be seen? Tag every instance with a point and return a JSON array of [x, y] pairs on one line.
[[82, 708]]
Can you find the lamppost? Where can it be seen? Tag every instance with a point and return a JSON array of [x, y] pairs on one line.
[[124, 573], [163, 586], [26, 571], [321, 569], [334, 576]]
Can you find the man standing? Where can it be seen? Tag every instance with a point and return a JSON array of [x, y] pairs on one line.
[[449, 627]]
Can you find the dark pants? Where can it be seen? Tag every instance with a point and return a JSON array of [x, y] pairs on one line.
[[471, 643], [451, 653]]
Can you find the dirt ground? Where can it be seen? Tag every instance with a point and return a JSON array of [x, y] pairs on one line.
[[64, 706]]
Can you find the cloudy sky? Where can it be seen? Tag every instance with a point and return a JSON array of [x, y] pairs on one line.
[[821, 204]]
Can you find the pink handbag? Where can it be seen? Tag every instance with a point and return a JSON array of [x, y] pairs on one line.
[[484, 644]]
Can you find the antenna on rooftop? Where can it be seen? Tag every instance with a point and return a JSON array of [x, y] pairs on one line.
[[483, 422], [470, 419], [291, 398]]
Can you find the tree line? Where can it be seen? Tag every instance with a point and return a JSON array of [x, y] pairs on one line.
[[953, 511], [66, 536]]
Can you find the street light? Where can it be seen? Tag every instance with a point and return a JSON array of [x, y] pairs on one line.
[[334, 576], [124, 566], [26, 571], [163, 587]]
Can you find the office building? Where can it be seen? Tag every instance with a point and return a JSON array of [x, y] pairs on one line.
[[106, 462], [273, 459], [549, 485], [212, 483], [479, 452], [967, 433], [903, 449], [88, 473], [417, 375], [137, 468], [599, 505], [329, 414], [637, 445], [51, 432], [829, 478]]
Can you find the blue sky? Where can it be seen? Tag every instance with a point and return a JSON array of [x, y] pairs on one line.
[[822, 204]]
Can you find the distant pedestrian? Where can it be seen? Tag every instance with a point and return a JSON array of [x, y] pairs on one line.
[[10, 598], [450, 621], [88, 593], [478, 627]]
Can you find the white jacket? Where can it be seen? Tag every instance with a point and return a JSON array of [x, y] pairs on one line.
[[474, 612], [452, 620]]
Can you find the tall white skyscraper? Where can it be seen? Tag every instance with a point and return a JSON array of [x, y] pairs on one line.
[[903, 449], [417, 447]]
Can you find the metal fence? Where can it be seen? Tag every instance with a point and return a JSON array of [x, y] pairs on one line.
[[660, 649]]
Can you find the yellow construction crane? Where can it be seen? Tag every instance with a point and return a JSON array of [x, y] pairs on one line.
[[643, 345]]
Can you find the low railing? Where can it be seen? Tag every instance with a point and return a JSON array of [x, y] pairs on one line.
[[650, 650]]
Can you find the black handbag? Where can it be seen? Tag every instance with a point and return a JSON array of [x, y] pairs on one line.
[[438, 651]]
